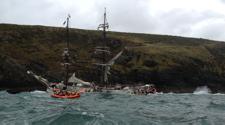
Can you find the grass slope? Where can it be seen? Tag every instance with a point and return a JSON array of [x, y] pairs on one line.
[[167, 61]]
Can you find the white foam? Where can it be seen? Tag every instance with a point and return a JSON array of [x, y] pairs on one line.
[[84, 113], [202, 90], [159, 93], [38, 92], [96, 114], [219, 94]]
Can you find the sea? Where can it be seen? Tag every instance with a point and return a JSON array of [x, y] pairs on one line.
[[113, 108]]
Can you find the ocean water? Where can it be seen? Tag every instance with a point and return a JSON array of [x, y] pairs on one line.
[[38, 108]]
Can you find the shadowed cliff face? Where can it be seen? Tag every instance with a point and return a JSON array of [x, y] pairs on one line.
[[13, 75], [170, 62]]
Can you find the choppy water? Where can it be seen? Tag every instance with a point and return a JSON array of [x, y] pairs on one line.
[[37, 108]]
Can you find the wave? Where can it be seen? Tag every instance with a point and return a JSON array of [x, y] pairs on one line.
[[202, 90], [219, 94], [38, 92], [159, 93]]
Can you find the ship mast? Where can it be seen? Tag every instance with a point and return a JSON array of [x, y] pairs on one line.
[[67, 31], [66, 59], [104, 50]]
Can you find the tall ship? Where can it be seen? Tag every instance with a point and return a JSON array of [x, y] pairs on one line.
[[71, 86], [62, 89]]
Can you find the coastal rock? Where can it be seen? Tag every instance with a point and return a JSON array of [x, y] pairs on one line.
[[13, 76]]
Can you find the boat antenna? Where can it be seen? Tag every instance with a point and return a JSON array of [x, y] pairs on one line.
[[66, 51]]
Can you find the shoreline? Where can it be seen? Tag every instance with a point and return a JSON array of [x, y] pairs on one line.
[[178, 90]]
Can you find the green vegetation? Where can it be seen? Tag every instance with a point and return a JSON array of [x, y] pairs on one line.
[[167, 61]]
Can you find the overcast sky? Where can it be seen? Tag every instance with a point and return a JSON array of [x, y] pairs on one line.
[[192, 18]]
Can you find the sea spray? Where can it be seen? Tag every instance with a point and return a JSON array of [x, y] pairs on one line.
[[202, 90]]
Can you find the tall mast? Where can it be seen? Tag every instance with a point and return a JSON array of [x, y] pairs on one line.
[[67, 31], [66, 52], [104, 30], [104, 46], [104, 49]]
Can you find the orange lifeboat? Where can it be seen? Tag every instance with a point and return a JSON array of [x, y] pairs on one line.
[[67, 96]]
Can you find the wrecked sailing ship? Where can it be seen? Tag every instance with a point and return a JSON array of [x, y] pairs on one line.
[[63, 89], [104, 59]]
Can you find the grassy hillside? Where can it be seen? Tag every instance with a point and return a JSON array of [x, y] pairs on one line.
[[170, 62]]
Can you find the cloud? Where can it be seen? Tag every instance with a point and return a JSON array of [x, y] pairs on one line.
[[201, 18], [132, 16], [210, 28], [185, 22]]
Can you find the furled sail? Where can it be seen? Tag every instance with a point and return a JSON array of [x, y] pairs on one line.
[[74, 79], [42, 80], [110, 63]]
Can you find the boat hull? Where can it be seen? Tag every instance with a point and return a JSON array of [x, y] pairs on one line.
[[66, 96]]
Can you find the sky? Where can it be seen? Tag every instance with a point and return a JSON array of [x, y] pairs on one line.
[[189, 18]]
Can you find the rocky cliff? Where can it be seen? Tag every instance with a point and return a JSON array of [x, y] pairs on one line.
[[172, 63]]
